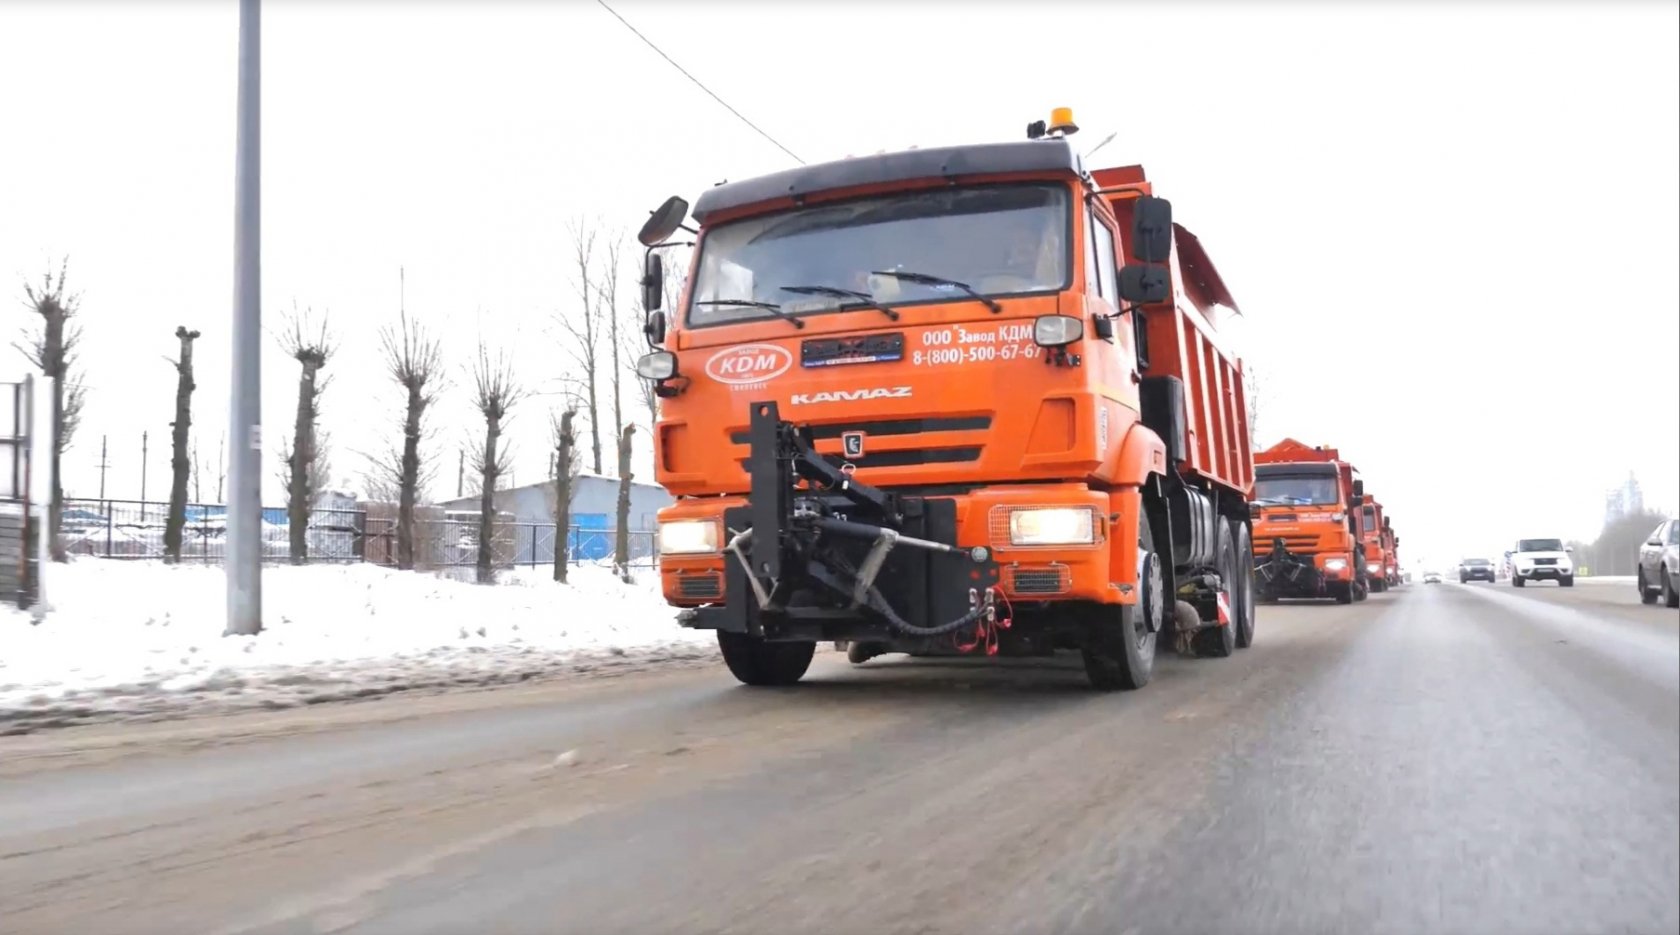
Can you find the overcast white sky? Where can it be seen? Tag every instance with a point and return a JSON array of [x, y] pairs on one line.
[[1454, 229]]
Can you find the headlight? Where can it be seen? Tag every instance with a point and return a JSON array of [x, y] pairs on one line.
[[688, 537], [659, 365], [1056, 330], [1053, 526], [1373, 568], [1335, 564]]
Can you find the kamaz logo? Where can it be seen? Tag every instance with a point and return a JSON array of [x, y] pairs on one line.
[[838, 396]]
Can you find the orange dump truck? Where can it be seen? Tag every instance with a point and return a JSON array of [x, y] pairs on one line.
[[970, 399], [1308, 524], [1382, 566]]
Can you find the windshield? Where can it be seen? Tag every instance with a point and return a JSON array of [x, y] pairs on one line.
[[1475, 561], [1540, 545], [1295, 489], [998, 239]]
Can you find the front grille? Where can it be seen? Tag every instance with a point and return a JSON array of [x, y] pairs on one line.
[[1281, 518], [700, 586], [885, 427], [1545, 561], [1263, 543], [904, 458], [1054, 579]]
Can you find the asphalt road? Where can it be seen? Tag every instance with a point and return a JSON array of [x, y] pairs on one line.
[[1461, 759]]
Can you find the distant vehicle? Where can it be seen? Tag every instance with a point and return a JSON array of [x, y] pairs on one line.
[[1541, 559], [1659, 565], [1431, 577], [1475, 569]]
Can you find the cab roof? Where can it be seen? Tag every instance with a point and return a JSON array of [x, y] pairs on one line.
[[1042, 155]]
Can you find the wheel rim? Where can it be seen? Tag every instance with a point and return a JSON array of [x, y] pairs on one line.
[[1150, 621]]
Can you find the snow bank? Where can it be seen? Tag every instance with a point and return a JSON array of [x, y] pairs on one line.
[[139, 638]]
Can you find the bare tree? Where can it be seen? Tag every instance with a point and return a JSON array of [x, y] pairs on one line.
[[621, 551], [583, 328], [182, 426], [311, 346], [221, 466], [52, 350], [496, 391], [607, 297], [414, 361], [197, 473], [565, 482]]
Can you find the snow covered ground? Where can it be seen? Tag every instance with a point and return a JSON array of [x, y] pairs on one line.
[[142, 639]]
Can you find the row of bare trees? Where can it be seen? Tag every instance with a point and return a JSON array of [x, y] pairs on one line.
[[600, 333]]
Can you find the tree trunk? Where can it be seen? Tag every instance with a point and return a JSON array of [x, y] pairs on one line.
[[487, 500], [409, 483], [56, 518], [563, 496], [594, 423], [178, 462], [303, 458], [621, 553]]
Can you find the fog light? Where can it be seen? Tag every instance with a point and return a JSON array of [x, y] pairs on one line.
[[1057, 330]]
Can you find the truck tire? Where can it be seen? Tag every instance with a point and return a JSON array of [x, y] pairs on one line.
[[1242, 596], [1219, 642], [754, 661], [1342, 591], [1119, 646]]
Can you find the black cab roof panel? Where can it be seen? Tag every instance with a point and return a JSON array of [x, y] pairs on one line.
[[1043, 155]]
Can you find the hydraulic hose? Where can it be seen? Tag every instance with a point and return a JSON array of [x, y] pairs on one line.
[[880, 606]]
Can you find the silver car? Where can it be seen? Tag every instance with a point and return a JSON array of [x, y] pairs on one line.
[[1659, 565]]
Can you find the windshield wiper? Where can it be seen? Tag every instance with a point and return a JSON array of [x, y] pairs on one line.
[[862, 298], [750, 303], [928, 279]]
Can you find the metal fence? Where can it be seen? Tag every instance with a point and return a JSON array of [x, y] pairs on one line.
[[132, 529]]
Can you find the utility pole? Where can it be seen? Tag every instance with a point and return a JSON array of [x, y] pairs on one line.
[[461, 477], [104, 462], [142, 476], [244, 545]]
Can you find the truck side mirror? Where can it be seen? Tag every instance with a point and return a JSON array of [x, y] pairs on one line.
[[1144, 285], [654, 328], [1151, 229], [663, 221], [653, 282], [1359, 488]]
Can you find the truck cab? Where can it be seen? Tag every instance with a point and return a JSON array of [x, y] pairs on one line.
[[1307, 509], [962, 399], [1381, 567]]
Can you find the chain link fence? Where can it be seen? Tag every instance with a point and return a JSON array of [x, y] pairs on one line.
[[133, 529]]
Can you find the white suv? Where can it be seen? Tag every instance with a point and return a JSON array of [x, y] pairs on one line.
[[1536, 559]]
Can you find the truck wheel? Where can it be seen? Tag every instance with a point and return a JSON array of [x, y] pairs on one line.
[[1220, 642], [1242, 595], [757, 662], [1342, 591], [1119, 647]]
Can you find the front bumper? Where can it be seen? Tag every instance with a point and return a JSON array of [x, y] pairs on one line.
[[1484, 574], [1278, 572], [1549, 572], [1102, 571]]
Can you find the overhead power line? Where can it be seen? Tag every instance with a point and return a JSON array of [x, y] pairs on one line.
[[697, 82]]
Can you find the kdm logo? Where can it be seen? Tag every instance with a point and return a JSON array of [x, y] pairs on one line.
[[749, 364], [837, 396]]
